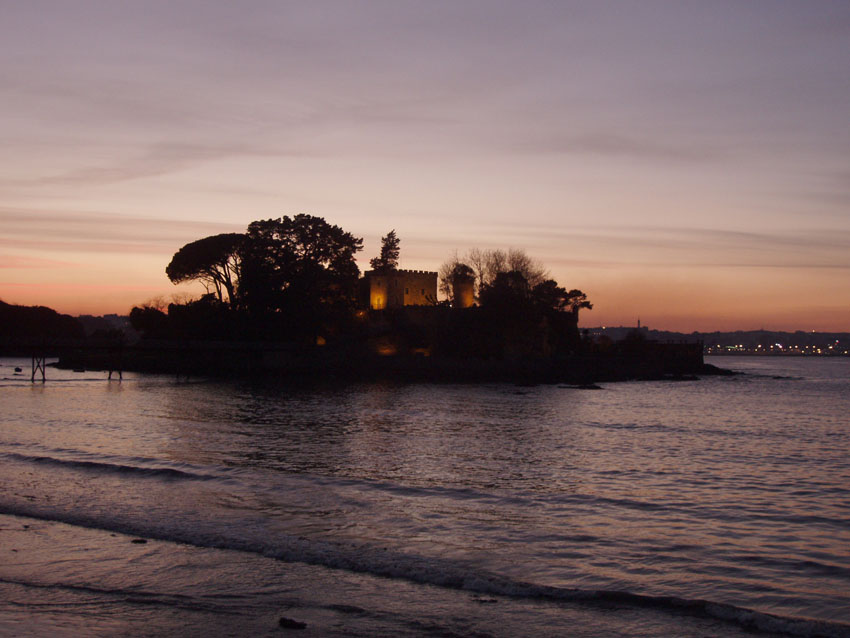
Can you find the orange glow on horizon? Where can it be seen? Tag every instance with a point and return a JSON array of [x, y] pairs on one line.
[[684, 300]]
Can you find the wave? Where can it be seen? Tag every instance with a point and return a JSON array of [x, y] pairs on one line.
[[136, 467], [435, 571], [133, 596], [166, 473]]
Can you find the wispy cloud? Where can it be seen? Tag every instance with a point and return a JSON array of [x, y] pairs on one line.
[[71, 231], [158, 160], [613, 144], [18, 261], [655, 246], [161, 159]]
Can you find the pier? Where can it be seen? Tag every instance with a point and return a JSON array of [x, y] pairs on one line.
[[106, 355]]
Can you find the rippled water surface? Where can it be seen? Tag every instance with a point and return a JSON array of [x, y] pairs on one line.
[[708, 506]]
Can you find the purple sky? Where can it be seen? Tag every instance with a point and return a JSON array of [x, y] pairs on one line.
[[687, 163]]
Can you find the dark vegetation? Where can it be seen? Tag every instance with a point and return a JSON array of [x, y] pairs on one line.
[[514, 319], [390, 250], [292, 279]]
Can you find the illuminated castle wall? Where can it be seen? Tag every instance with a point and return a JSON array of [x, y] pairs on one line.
[[401, 288]]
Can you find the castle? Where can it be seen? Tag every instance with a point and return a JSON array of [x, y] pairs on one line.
[[397, 288]]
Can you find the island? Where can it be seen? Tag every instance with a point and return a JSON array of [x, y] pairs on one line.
[[287, 299]]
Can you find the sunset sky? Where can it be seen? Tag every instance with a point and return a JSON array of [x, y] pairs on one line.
[[685, 163]]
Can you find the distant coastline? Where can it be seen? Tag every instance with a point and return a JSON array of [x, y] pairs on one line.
[[742, 342]]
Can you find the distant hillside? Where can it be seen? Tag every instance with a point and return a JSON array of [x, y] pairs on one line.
[[755, 338], [21, 324], [108, 326], [743, 340]]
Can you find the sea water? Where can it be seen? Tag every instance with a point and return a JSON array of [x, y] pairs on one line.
[[162, 506]]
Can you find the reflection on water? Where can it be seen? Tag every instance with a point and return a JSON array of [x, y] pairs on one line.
[[466, 436], [728, 489]]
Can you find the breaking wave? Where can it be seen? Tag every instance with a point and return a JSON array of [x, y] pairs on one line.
[[100, 467]]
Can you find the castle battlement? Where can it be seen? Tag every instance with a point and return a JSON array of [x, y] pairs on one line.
[[419, 272], [400, 271]]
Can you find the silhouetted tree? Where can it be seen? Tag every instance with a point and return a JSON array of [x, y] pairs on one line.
[[577, 300], [214, 261], [532, 270], [526, 320], [204, 318], [151, 322], [508, 294], [512, 318], [302, 267], [549, 295], [444, 275], [560, 309], [388, 259]]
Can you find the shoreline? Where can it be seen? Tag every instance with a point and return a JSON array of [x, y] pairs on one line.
[[674, 362]]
